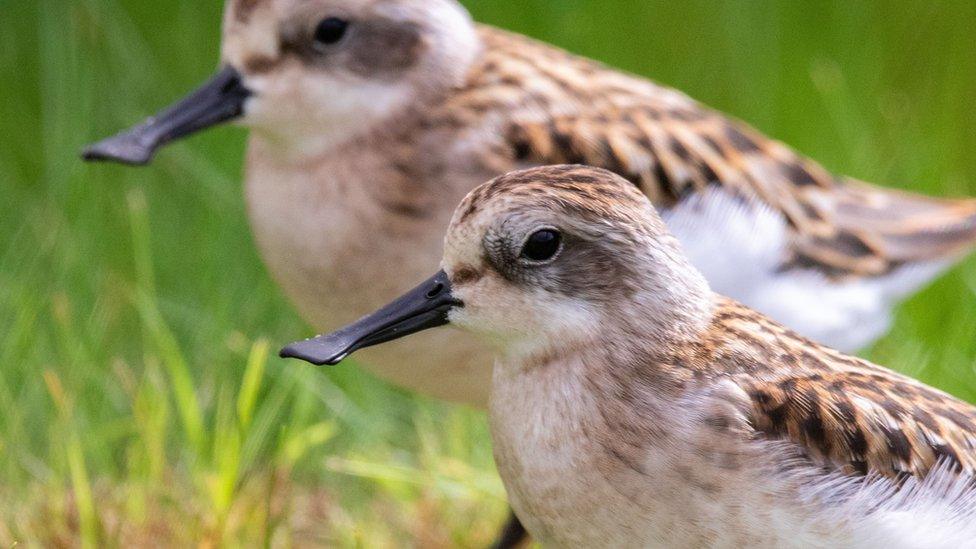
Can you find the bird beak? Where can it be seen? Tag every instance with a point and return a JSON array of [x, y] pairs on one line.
[[426, 306], [219, 100]]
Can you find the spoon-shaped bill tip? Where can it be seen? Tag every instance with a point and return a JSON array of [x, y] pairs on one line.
[[424, 307], [124, 148], [313, 351], [217, 101]]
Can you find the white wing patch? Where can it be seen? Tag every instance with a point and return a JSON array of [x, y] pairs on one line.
[[739, 246]]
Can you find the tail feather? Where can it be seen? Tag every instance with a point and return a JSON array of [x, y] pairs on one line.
[[874, 231], [907, 227]]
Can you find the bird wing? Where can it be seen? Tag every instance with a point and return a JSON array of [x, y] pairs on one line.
[[842, 411], [565, 109]]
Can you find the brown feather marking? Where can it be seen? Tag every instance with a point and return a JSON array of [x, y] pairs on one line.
[[844, 412], [555, 107]]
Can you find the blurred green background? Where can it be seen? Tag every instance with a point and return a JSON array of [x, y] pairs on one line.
[[140, 400]]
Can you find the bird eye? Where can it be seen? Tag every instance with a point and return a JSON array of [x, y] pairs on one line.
[[542, 245], [330, 30]]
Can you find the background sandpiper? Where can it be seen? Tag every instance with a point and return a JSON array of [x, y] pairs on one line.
[[375, 117], [633, 407]]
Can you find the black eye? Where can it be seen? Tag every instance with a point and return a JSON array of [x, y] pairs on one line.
[[542, 245], [331, 30]]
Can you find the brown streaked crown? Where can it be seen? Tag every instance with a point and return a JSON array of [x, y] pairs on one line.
[[588, 191]]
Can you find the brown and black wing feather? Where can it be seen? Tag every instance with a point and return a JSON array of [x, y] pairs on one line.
[[842, 412], [862, 421], [564, 109]]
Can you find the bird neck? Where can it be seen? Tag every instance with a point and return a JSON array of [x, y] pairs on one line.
[[671, 305]]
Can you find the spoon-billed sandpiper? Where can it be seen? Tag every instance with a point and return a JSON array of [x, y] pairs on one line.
[[633, 407], [371, 119]]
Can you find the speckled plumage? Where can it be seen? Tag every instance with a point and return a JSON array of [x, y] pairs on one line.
[[844, 411], [663, 415]]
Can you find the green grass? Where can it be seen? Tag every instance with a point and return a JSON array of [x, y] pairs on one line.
[[140, 400]]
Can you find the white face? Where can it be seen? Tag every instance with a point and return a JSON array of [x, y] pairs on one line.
[[514, 273], [521, 321], [323, 71]]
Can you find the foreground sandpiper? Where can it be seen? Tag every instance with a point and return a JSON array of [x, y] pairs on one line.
[[371, 119], [633, 407]]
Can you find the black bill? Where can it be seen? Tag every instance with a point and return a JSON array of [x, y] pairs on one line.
[[219, 100], [423, 307]]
